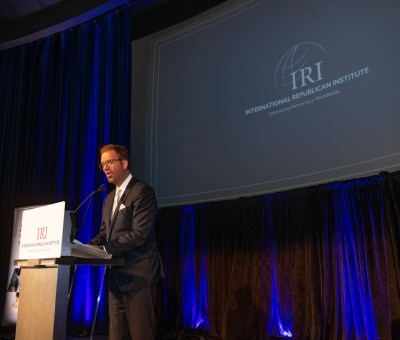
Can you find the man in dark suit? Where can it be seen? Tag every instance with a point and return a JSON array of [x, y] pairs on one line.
[[128, 230]]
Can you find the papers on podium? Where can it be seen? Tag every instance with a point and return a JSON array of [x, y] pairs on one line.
[[78, 249]]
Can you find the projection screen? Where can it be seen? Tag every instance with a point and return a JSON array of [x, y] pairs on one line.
[[259, 96]]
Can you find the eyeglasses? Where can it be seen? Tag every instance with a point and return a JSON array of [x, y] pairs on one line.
[[108, 162]]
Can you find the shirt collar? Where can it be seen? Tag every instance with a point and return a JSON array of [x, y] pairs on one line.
[[125, 183]]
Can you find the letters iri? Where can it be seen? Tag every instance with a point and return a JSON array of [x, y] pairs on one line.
[[304, 76], [41, 233], [300, 66]]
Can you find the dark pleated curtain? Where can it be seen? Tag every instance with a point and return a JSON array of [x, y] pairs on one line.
[[61, 98], [314, 263]]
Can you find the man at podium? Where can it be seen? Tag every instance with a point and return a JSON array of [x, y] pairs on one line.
[[128, 230]]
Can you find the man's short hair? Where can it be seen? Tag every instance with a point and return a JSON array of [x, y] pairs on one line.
[[121, 151]]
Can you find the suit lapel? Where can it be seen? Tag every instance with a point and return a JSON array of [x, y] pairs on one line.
[[121, 200], [107, 212]]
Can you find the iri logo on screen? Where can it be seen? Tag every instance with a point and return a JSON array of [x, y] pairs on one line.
[[300, 66]]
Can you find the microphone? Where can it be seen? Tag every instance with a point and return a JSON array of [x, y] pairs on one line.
[[99, 189], [74, 229]]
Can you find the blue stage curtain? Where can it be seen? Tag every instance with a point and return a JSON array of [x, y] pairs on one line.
[[313, 263], [61, 98]]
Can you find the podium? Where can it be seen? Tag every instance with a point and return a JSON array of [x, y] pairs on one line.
[[43, 298], [44, 281]]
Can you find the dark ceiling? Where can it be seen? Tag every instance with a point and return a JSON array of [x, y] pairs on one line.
[[22, 21], [12, 9]]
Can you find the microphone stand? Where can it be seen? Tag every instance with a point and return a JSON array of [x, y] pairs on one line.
[[75, 229]]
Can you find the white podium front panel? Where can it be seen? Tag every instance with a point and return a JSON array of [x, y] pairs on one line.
[[42, 232]]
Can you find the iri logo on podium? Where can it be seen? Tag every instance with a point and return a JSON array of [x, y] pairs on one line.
[[41, 233]]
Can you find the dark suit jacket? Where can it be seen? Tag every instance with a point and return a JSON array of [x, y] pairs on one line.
[[131, 234]]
